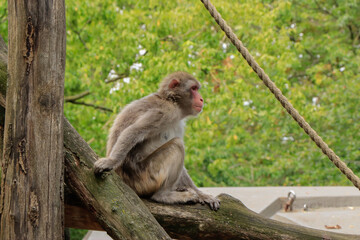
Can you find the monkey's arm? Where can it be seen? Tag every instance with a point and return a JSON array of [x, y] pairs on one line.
[[185, 181], [144, 126]]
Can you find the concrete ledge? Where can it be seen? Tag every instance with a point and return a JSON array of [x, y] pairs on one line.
[[258, 198]]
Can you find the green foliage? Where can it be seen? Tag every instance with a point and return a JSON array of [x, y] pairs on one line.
[[3, 19], [244, 137]]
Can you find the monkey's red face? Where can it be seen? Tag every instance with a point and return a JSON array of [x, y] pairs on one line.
[[197, 100], [185, 92]]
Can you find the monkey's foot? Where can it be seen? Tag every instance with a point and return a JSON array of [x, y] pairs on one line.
[[213, 202]]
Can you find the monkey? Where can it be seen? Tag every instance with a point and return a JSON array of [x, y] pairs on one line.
[[145, 144]]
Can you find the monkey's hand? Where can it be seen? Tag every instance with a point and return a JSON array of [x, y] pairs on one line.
[[103, 165], [213, 202]]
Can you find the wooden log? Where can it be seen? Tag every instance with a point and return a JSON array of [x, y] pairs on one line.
[[31, 205], [232, 221], [98, 203]]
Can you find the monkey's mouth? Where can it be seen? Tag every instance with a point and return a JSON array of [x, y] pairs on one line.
[[198, 108]]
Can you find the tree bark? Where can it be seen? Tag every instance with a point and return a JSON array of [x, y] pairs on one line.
[[32, 195], [109, 204]]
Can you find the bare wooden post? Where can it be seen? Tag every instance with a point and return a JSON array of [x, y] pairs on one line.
[[31, 204]]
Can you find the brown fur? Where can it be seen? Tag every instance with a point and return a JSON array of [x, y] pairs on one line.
[[145, 143]]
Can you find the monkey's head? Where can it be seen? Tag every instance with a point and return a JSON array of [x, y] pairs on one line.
[[182, 89]]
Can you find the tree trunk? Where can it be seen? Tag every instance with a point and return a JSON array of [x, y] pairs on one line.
[[112, 206], [32, 196]]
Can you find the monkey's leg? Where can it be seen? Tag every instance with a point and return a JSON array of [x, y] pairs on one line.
[[185, 182], [159, 174]]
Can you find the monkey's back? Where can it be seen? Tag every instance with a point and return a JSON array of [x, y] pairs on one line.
[[137, 109]]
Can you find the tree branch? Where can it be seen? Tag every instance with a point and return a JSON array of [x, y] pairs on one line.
[[91, 105], [74, 100], [119, 76], [77, 96]]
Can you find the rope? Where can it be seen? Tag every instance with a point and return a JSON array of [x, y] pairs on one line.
[[280, 97]]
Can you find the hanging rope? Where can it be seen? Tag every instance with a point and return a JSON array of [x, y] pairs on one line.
[[280, 97]]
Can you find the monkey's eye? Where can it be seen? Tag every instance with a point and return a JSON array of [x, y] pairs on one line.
[[194, 88]]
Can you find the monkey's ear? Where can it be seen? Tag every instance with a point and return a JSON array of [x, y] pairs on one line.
[[174, 83]]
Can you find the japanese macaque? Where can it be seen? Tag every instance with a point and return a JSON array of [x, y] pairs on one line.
[[145, 145]]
